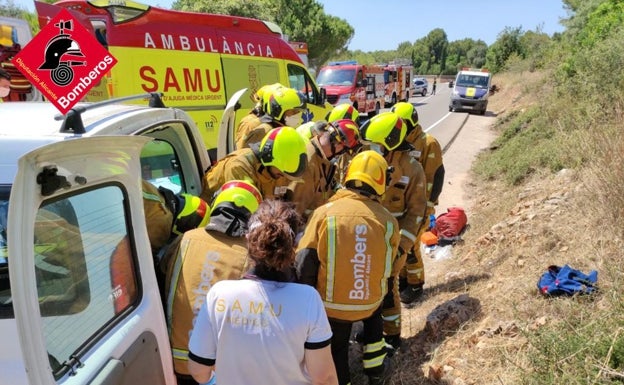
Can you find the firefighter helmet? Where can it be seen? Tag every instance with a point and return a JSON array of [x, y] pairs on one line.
[[285, 149], [343, 111], [370, 168], [259, 94], [276, 101], [345, 131], [240, 193], [407, 112], [387, 129], [193, 212]]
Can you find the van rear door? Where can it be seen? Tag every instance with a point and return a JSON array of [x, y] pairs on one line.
[[85, 295]]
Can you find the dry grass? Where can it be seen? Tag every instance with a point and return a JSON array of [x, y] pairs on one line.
[[515, 233]]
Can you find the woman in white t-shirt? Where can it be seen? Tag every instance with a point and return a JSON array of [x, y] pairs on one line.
[[264, 329]]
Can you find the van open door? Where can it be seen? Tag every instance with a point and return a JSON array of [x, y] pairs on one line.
[[84, 289], [227, 126]]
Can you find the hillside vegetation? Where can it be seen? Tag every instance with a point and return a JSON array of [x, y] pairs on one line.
[[549, 191]]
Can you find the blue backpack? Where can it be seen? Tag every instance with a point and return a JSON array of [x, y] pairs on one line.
[[564, 280]]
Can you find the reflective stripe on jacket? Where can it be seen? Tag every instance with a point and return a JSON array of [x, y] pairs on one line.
[[405, 195]]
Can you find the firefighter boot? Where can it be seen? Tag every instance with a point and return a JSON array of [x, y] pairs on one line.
[[380, 378], [393, 344], [411, 293]]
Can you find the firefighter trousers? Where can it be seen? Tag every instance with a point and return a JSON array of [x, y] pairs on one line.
[[374, 346], [391, 312], [414, 268]]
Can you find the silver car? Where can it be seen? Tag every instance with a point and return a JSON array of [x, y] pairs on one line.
[[420, 86]]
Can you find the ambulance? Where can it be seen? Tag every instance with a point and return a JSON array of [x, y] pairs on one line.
[[197, 60]]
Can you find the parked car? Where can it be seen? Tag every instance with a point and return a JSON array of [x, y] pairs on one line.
[[420, 86]]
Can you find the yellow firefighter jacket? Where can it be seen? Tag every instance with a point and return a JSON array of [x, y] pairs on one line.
[[201, 259], [158, 217], [351, 276], [243, 164], [253, 128], [428, 152], [317, 182], [405, 195]]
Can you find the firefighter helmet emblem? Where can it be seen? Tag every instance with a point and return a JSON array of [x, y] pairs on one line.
[[58, 55]]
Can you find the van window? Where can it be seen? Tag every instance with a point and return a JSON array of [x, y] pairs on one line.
[[85, 269], [160, 165], [300, 79]]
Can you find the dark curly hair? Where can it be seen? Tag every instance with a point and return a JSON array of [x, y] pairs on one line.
[[271, 240]]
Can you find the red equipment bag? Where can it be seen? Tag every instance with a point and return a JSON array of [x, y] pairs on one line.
[[451, 225]]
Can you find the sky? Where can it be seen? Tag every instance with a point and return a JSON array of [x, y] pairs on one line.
[[384, 24]]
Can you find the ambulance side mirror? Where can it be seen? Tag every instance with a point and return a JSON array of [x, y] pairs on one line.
[[323, 93]]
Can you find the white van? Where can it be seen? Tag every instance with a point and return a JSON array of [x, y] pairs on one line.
[[79, 299], [471, 90]]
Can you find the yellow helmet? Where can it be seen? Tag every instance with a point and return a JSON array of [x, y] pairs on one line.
[[368, 167], [259, 94], [343, 111], [407, 112], [387, 129], [193, 212], [306, 130], [276, 101], [240, 193], [284, 149]]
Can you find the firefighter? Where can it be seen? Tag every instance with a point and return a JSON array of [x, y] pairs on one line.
[[344, 111], [428, 152], [270, 165], [202, 257], [404, 198], [282, 106], [168, 215], [353, 279], [326, 141], [252, 119], [5, 84]]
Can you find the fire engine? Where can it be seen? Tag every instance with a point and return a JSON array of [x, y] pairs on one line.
[[350, 82], [397, 79]]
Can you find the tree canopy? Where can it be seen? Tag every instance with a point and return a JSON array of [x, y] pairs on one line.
[[328, 36], [300, 20]]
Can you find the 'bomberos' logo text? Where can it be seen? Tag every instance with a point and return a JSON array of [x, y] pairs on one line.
[[361, 265], [64, 61]]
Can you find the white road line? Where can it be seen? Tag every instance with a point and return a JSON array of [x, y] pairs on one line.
[[438, 122]]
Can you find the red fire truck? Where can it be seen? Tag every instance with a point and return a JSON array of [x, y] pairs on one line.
[[350, 82], [397, 80]]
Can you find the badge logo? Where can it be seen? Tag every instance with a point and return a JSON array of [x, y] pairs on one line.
[[64, 61]]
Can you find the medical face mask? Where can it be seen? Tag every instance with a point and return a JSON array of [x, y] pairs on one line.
[[293, 120], [4, 92], [377, 148]]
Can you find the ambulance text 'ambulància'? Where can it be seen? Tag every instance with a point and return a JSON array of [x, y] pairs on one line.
[[197, 60]]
